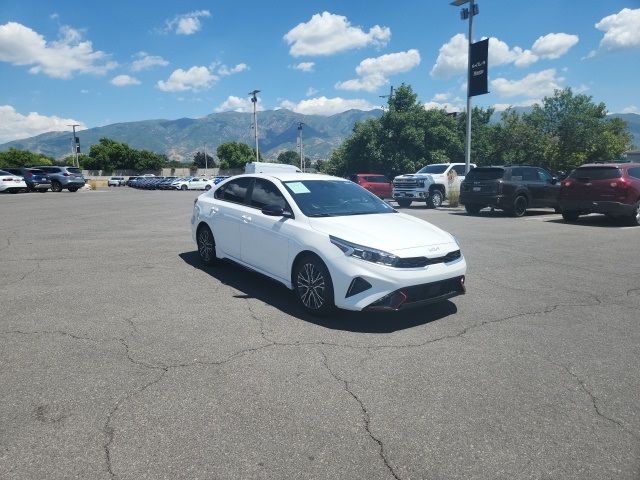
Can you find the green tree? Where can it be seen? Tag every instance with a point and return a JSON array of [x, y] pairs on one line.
[[200, 162], [289, 157], [23, 158], [235, 155]]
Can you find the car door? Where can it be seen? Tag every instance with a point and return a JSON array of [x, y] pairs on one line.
[[536, 188], [265, 239], [194, 184], [226, 215], [551, 188]]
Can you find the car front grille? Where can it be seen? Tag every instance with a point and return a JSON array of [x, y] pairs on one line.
[[406, 184], [418, 262]]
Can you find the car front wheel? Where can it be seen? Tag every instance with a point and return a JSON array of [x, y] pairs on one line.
[[183, 187], [56, 186], [435, 199], [520, 205], [570, 216], [404, 203], [313, 286], [634, 219]]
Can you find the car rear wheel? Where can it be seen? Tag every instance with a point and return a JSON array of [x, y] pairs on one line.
[[634, 219], [206, 245], [570, 216], [56, 186], [404, 203], [435, 199], [473, 209], [520, 205], [313, 286]]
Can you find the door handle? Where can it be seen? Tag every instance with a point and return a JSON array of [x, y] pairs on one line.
[[246, 218], [214, 210]]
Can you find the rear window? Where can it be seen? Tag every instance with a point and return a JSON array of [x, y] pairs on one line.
[[485, 174], [377, 179], [36, 171], [74, 170], [596, 173]]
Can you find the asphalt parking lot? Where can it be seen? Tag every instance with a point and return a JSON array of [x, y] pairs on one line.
[[122, 357]]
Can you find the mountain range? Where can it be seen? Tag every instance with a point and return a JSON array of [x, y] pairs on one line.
[[277, 132], [180, 139]]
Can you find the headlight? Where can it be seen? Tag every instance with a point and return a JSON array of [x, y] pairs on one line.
[[364, 253], [421, 183]]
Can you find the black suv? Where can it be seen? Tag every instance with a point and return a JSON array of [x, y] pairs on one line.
[[35, 178], [512, 188], [64, 177]]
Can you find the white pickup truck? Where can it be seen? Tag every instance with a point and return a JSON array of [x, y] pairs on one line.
[[430, 184]]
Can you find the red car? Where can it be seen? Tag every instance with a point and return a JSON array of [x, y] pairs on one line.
[[374, 182], [612, 189]]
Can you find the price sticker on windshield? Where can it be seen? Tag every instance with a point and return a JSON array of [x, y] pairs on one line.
[[298, 187]]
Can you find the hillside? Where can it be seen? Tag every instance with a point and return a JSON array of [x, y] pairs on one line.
[[180, 139]]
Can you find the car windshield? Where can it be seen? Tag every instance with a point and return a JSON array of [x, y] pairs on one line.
[[596, 173], [334, 198], [433, 169], [74, 170], [476, 174]]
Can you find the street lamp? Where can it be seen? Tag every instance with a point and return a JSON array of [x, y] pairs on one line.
[[254, 100], [468, 13], [75, 143], [300, 125]]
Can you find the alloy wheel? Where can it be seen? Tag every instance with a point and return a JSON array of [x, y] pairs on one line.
[[311, 286], [520, 206], [206, 246]]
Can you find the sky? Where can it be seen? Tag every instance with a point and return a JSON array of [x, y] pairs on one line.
[[97, 63]]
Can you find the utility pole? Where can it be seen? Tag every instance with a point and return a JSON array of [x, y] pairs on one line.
[[390, 96], [206, 163], [468, 13], [254, 100], [75, 144], [300, 125]]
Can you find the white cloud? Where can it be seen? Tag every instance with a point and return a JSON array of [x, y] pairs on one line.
[[631, 109], [187, 23], [449, 107], [327, 33], [452, 57], [441, 97], [311, 91], [224, 70], [144, 61], [533, 85], [501, 107], [621, 31], [124, 81], [62, 58], [327, 106], [238, 104], [375, 72], [305, 66], [196, 78], [14, 125]]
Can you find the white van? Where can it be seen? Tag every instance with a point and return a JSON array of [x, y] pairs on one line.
[[265, 167]]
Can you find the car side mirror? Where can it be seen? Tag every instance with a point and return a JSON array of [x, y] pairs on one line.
[[274, 210], [554, 180]]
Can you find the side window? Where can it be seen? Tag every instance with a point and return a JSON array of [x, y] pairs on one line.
[[530, 175], [234, 191], [459, 169], [544, 176], [634, 172], [517, 174], [266, 193]]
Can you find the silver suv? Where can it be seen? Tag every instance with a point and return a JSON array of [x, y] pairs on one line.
[[64, 177]]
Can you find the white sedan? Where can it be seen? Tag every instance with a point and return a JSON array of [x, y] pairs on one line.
[[11, 183], [329, 240], [194, 183]]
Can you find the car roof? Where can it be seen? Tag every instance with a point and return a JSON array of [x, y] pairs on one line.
[[614, 165], [292, 176]]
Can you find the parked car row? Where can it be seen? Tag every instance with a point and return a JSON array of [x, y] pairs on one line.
[[41, 179], [172, 183]]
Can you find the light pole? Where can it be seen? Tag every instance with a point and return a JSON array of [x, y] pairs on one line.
[[390, 96], [468, 13], [300, 125], [254, 100], [206, 163], [75, 143]]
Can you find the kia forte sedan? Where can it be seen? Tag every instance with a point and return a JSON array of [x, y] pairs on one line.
[[329, 240]]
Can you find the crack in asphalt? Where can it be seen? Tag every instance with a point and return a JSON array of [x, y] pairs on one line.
[[365, 415], [632, 290], [8, 239], [49, 332], [594, 400], [130, 322]]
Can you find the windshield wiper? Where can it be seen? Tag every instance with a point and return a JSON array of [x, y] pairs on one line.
[[320, 215]]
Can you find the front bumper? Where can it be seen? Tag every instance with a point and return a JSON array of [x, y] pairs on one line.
[[386, 281], [587, 206], [410, 194], [420, 295]]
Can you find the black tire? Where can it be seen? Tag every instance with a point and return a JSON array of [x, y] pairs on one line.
[[570, 216], [206, 245], [183, 187], [473, 208], [313, 286], [56, 186], [520, 205], [435, 198], [207, 187], [73, 189], [634, 218], [404, 203]]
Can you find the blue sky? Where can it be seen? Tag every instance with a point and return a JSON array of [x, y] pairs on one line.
[[97, 63]]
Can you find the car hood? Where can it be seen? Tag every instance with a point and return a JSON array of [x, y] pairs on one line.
[[411, 176], [391, 232]]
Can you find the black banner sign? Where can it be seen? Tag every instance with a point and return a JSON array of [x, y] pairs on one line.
[[479, 67]]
